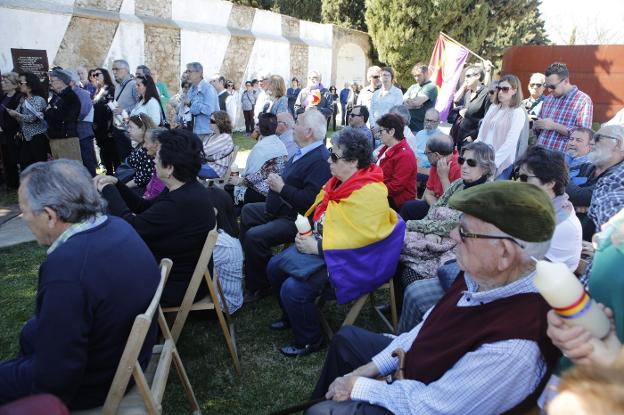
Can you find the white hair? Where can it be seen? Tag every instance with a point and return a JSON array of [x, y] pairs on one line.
[[316, 121], [315, 72], [372, 71], [287, 119]]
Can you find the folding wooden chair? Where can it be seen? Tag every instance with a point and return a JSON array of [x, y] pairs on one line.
[[221, 181], [207, 303], [356, 307], [146, 396]]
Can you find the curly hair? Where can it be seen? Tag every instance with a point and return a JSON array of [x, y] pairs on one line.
[[223, 121], [354, 145], [182, 150]]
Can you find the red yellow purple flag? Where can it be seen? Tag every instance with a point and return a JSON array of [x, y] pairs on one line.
[[447, 62]]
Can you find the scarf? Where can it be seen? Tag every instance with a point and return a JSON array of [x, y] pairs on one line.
[[335, 190], [267, 148]]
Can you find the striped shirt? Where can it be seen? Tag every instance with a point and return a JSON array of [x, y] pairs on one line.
[[228, 262], [574, 109], [491, 379]]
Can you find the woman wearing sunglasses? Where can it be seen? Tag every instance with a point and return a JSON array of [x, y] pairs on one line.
[[353, 228], [427, 242], [506, 126], [547, 170], [218, 146]]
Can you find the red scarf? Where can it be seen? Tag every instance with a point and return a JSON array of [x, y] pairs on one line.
[[335, 190]]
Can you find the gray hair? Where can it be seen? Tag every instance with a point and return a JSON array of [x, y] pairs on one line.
[[440, 143], [484, 155], [317, 73], [372, 71], [286, 118], [196, 66], [316, 121], [122, 62], [156, 132], [145, 69], [64, 186], [403, 112], [531, 250]]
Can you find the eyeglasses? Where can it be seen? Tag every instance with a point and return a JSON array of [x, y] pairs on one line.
[[536, 85], [505, 89], [334, 157], [598, 137], [552, 87], [189, 71], [463, 235], [431, 121], [523, 177], [469, 162], [355, 115]]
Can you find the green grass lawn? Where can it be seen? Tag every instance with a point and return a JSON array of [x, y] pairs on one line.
[[269, 380]]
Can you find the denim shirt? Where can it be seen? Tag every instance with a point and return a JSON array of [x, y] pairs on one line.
[[204, 102]]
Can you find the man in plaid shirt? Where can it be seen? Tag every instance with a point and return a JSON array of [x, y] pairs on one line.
[[565, 109]]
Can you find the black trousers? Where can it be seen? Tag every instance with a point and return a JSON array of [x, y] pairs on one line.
[[259, 233], [108, 151], [350, 348], [249, 120], [37, 149], [122, 143], [10, 156]]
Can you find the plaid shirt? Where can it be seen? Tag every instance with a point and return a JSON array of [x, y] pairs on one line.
[[575, 109], [608, 195]]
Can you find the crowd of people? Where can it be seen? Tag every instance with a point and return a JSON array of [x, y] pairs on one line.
[[457, 220]]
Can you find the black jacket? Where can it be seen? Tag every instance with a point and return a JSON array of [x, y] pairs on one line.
[[476, 108], [62, 115]]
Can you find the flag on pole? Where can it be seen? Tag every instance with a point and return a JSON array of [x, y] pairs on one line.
[[447, 62]]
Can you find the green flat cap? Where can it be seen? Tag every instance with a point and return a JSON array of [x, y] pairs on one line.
[[521, 210]]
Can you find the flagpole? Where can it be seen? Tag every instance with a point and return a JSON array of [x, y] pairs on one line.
[[450, 38]]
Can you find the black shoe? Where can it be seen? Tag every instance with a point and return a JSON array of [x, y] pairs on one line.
[[256, 295], [279, 325], [293, 350]]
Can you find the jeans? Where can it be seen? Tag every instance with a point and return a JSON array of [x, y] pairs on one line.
[[296, 298]]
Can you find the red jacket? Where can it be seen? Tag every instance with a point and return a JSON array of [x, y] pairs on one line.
[[399, 167]]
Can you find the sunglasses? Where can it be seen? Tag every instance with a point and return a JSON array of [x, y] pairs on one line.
[[469, 162], [334, 157], [536, 85], [505, 89], [97, 73], [491, 92], [212, 121], [471, 75], [552, 87], [523, 177], [375, 76]]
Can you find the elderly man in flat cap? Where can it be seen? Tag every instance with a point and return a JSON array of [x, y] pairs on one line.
[[483, 348]]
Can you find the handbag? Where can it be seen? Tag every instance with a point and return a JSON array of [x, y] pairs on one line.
[[124, 173], [297, 264]]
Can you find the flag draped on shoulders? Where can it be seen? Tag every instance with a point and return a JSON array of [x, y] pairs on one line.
[[362, 235]]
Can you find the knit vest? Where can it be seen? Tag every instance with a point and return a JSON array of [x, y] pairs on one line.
[[450, 332]]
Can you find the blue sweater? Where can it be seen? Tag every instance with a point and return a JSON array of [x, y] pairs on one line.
[[302, 182], [90, 290]]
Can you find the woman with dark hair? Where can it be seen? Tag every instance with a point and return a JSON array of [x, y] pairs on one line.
[[91, 84], [218, 146], [30, 114], [547, 170], [150, 99], [397, 160], [506, 126], [10, 98], [353, 228], [334, 94], [103, 118], [228, 252], [176, 223]]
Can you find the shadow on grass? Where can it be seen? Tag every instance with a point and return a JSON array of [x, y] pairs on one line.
[[270, 381]]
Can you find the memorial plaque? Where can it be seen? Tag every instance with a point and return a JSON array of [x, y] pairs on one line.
[[31, 60]]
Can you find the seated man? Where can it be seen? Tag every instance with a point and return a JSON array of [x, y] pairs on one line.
[[98, 276], [444, 170], [358, 117], [271, 223], [578, 147], [418, 144], [605, 176], [454, 363], [285, 124]]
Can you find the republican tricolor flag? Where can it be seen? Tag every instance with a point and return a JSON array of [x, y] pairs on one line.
[[447, 62]]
